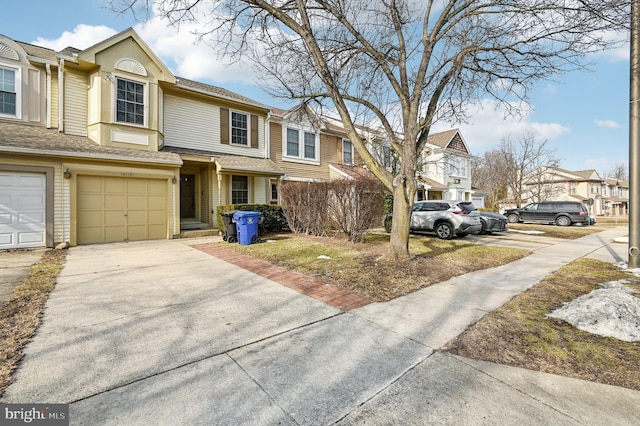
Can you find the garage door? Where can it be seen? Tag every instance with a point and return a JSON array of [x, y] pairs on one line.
[[112, 209], [22, 210]]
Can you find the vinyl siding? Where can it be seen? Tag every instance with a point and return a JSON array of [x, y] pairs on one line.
[[54, 101], [295, 170], [75, 104], [196, 125]]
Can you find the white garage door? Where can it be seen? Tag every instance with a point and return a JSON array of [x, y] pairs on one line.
[[22, 210]]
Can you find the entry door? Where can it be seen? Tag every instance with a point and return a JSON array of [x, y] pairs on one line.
[[187, 197]]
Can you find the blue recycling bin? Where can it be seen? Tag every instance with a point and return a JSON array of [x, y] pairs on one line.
[[247, 226]]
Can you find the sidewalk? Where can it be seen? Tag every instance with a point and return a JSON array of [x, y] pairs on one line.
[[163, 333]]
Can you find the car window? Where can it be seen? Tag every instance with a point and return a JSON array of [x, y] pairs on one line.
[[443, 206], [417, 207], [547, 207], [468, 207], [531, 207]]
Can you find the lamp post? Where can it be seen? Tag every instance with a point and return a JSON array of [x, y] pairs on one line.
[[634, 139]]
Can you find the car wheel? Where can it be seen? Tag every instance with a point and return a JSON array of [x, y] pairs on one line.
[[513, 218], [444, 230], [563, 221]]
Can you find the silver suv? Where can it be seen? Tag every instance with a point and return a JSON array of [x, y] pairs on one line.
[[445, 218]]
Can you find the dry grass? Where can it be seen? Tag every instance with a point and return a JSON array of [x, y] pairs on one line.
[[21, 313], [518, 334], [363, 268]]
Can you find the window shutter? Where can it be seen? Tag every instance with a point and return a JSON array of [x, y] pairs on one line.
[[224, 126], [254, 131]]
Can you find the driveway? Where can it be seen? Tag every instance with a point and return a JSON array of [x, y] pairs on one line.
[[162, 333]]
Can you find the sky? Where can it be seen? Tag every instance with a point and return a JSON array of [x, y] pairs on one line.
[[582, 115]]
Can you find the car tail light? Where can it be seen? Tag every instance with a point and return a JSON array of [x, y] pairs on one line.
[[582, 213], [458, 212]]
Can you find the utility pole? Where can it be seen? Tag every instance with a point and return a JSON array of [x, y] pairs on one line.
[[634, 139]]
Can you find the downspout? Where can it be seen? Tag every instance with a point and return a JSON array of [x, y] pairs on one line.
[[61, 96], [267, 136], [48, 67]]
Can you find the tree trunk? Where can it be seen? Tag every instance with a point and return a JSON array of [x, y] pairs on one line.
[[403, 192]]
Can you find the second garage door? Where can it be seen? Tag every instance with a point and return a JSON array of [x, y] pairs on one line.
[[112, 209]]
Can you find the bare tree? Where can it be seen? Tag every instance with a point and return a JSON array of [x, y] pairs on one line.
[[527, 165], [402, 64], [490, 174], [618, 171]]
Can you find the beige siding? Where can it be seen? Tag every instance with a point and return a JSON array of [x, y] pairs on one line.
[[54, 100], [260, 190], [94, 99], [297, 170], [35, 95], [195, 124], [75, 104]]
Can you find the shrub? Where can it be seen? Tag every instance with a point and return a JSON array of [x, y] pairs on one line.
[[351, 205], [271, 219], [304, 204]]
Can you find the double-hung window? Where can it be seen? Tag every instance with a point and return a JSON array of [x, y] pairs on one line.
[[301, 144], [347, 152], [239, 190], [239, 128], [8, 92], [458, 166], [130, 102]]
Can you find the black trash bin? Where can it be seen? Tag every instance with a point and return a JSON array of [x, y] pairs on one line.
[[230, 231]]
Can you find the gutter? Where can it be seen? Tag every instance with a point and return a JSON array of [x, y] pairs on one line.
[[61, 96], [72, 154], [48, 67]]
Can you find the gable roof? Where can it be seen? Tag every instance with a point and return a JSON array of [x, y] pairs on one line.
[[449, 139], [231, 163], [89, 54], [31, 139]]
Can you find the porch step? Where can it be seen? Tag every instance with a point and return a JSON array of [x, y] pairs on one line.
[[193, 233], [193, 224]]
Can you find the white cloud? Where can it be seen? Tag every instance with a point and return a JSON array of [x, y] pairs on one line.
[[607, 124], [187, 56], [550, 89], [489, 122], [82, 37]]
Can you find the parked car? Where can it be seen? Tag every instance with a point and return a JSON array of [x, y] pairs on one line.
[[445, 218], [562, 213], [491, 222]]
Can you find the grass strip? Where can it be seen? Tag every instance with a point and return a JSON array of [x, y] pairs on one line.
[[21, 313]]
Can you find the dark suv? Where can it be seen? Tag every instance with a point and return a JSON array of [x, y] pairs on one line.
[[562, 213]]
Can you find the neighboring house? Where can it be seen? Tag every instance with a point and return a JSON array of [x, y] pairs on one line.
[[446, 168], [556, 184], [615, 201], [106, 145], [308, 147]]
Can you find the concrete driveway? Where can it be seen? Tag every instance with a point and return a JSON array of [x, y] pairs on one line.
[[162, 333]]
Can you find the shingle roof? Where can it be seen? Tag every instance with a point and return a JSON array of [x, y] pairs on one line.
[[355, 172], [232, 162], [441, 139], [217, 91], [37, 51], [24, 138]]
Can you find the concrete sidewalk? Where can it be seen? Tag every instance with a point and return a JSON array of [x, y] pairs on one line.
[[161, 333]]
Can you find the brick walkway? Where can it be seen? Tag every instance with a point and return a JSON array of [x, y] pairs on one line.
[[310, 286]]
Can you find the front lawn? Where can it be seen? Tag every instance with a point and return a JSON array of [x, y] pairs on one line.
[[362, 267], [520, 334]]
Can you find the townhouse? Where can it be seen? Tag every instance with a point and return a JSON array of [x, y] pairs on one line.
[[106, 144], [603, 196]]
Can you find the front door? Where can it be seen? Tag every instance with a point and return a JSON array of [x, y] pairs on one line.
[[187, 196]]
